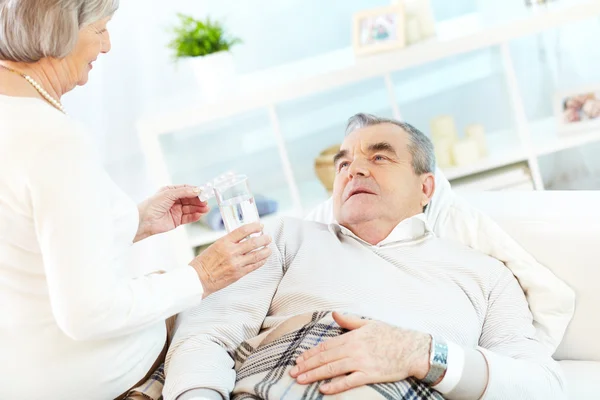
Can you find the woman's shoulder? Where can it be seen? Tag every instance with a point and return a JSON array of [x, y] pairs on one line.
[[32, 125], [33, 119], [35, 136]]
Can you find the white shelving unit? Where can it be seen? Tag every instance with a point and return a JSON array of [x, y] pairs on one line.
[[267, 89]]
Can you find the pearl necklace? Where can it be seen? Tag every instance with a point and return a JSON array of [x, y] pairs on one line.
[[39, 89]]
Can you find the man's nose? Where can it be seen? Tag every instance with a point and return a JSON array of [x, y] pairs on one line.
[[358, 168]]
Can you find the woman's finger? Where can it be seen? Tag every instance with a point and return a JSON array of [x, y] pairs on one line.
[[172, 187], [244, 231], [253, 267], [185, 192], [252, 244], [193, 201], [256, 257], [195, 209], [191, 218]]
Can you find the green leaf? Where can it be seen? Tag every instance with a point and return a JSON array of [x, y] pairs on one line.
[[196, 38]]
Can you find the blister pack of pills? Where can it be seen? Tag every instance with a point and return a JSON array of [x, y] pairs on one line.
[[206, 190]]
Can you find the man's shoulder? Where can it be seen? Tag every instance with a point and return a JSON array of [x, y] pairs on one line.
[[468, 257]]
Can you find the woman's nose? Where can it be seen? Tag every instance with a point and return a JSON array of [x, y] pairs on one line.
[[106, 44]]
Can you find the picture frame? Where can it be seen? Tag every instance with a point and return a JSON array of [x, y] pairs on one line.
[[379, 30], [578, 109]]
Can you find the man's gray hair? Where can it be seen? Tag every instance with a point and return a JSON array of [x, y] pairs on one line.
[[34, 29], [420, 146]]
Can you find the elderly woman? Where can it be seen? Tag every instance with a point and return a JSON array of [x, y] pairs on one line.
[[76, 321]]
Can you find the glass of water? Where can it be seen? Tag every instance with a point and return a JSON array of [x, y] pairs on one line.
[[236, 202]]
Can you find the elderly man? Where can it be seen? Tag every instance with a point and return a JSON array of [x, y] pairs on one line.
[[423, 318]]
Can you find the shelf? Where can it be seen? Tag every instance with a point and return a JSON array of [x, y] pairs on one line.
[[504, 149], [486, 164], [337, 69], [547, 140]]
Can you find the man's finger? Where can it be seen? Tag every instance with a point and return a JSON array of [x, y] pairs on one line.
[[324, 346], [327, 371], [320, 359], [349, 322], [344, 383]]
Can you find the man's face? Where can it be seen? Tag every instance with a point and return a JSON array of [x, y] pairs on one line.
[[375, 179]]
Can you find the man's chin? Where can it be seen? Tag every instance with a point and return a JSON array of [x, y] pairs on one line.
[[356, 216]]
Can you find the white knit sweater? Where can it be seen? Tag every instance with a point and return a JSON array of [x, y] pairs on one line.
[[76, 322]]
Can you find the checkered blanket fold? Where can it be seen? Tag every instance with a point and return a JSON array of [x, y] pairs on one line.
[[263, 364], [151, 389]]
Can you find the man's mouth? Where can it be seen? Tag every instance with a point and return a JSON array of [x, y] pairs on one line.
[[359, 191]]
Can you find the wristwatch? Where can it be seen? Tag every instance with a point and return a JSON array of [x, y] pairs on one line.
[[438, 361]]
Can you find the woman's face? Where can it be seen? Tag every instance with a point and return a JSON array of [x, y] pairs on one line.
[[92, 41]]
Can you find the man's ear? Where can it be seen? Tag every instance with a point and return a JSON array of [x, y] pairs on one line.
[[427, 188]]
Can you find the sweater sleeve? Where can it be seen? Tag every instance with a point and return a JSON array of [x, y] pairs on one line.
[[519, 366], [90, 295], [202, 351]]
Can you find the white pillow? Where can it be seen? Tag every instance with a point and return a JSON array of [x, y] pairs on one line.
[[551, 301]]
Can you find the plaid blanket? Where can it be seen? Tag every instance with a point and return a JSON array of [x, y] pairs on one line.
[[263, 364], [151, 389]]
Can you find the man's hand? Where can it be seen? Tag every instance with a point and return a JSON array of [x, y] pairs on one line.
[[373, 352]]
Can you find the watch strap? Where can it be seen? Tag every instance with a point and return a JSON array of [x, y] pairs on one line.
[[438, 361]]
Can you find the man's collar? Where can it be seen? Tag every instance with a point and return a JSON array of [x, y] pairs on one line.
[[409, 229]]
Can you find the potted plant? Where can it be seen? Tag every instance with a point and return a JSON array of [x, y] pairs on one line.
[[205, 45]]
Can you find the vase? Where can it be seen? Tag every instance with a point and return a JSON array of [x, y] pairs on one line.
[[215, 74], [324, 167]]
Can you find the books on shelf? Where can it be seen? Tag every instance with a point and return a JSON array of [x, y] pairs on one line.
[[514, 177]]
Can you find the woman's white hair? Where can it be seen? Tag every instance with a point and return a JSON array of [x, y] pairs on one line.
[[34, 29]]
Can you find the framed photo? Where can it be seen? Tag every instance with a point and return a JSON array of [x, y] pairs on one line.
[[379, 29], [578, 109]]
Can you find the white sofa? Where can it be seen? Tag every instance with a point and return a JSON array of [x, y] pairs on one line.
[[562, 231]]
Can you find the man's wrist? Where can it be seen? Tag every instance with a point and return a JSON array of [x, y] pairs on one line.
[[438, 362], [422, 363]]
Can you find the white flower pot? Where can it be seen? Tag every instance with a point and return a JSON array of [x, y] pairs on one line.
[[215, 74]]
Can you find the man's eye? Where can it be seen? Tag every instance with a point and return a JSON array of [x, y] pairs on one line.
[[379, 158], [343, 164]]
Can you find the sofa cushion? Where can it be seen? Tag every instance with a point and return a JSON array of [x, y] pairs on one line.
[[562, 231], [582, 379]]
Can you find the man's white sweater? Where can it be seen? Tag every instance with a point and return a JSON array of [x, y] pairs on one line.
[[412, 279]]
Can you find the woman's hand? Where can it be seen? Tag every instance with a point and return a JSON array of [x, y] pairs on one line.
[[231, 258], [171, 207]]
